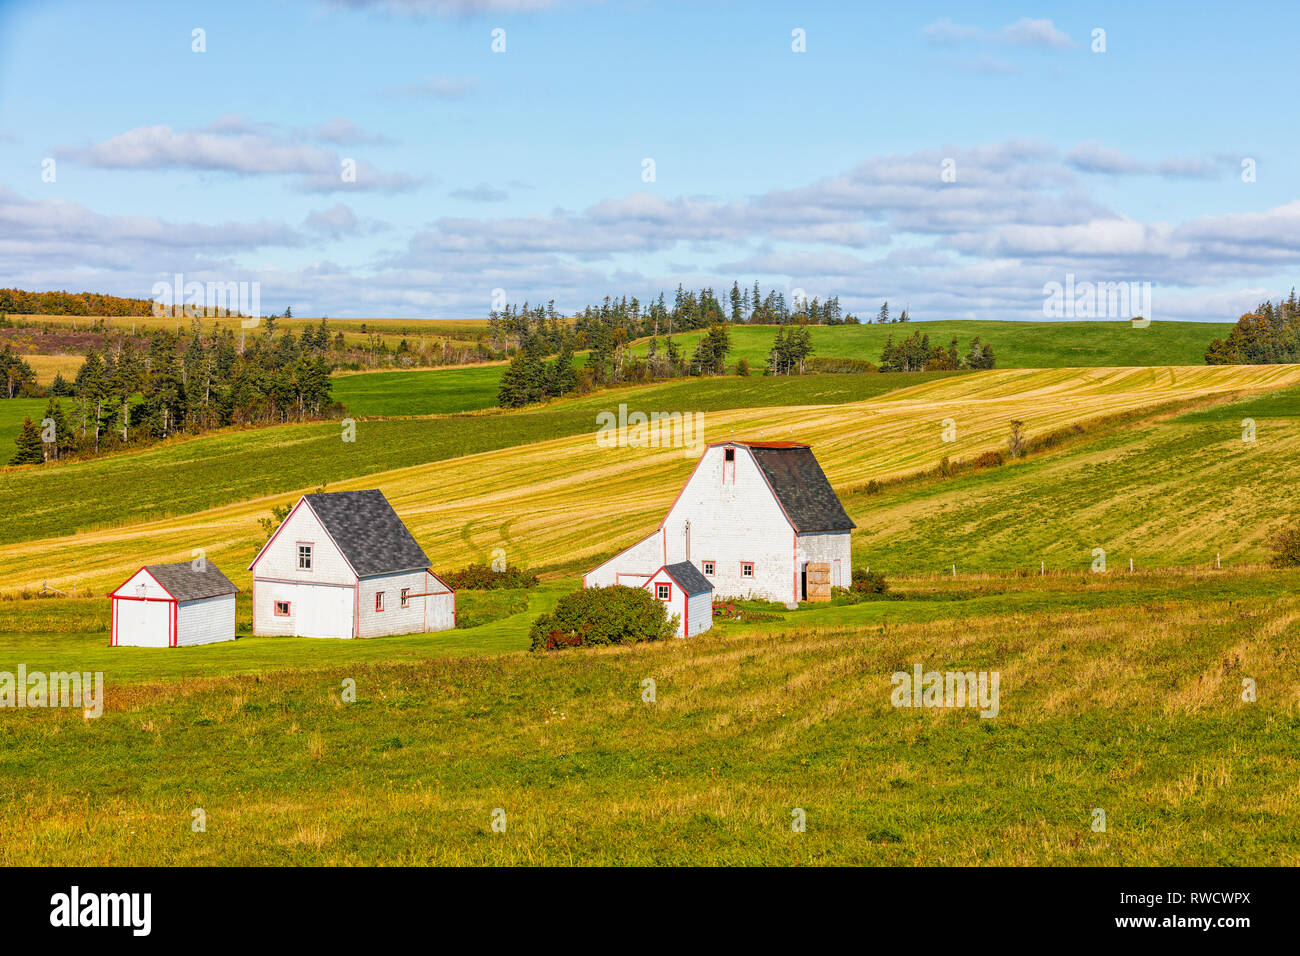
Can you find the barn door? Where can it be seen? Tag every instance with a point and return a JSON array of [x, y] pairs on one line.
[[819, 581]]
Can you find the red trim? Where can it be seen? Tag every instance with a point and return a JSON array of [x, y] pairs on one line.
[[356, 607], [449, 588], [299, 581], [662, 584], [709, 574], [301, 501], [404, 599], [795, 555], [145, 568], [166, 600], [620, 554], [112, 633], [271, 540], [743, 575], [175, 622], [288, 608], [379, 602], [759, 444]]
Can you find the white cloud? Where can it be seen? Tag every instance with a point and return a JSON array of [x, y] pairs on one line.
[[233, 144]]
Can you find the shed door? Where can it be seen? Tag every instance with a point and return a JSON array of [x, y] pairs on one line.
[[323, 611], [819, 581], [144, 623]]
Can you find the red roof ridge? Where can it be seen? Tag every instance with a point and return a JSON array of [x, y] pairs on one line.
[[760, 444]]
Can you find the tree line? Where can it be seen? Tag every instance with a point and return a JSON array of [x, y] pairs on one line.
[[1268, 336], [183, 384], [19, 301]]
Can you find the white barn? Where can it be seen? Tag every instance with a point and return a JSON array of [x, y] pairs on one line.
[[687, 593], [342, 564], [759, 520], [174, 605]]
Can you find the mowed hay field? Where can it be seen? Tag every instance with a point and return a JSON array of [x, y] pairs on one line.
[[570, 500], [1135, 709]]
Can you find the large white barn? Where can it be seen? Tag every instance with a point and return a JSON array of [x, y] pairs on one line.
[[174, 605], [342, 564], [758, 520]]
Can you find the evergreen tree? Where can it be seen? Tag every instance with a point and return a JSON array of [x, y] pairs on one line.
[[31, 450]]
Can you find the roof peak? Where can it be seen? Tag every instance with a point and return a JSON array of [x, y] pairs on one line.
[[760, 444]]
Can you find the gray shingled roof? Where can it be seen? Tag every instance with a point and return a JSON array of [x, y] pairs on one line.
[[367, 529], [185, 584], [801, 487], [689, 577]]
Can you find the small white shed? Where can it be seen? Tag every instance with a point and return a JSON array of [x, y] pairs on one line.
[[687, 593], [174, 605]]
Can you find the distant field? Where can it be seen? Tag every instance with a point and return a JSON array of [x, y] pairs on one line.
[[48, 366], [12, 413], [450, 328], [553, 501], [426, 392], [190, 475], [1124, 696], [1015, 344]]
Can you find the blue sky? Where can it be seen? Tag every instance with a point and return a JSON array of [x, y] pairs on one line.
[[523, 170]]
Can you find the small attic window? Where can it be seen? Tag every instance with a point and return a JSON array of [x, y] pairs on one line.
[[729, 455]]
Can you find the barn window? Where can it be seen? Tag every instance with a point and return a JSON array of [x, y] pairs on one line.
[[729, 455], [663, 591], [708, 569], [406, 597], [379, 600], [747, 569], [304, 557], [281, 608], [729, 466]]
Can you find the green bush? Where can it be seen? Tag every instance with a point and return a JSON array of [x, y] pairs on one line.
[[596, 616], [866, 581], [1285, 543], [480, 577], [844, 596]]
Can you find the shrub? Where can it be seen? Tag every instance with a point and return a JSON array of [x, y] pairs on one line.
[[839, 365], [844, 596], [866, 581], [742, 368], [480, 577], [1285, 543], [989, 459], [595, 616]]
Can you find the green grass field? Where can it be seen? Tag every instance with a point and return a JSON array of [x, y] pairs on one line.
[[1094, 344], [1131, 704]]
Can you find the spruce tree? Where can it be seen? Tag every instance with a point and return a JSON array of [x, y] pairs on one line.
[[31, 450]]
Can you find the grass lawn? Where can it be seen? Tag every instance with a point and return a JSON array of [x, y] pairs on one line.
[[1120, 694]]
